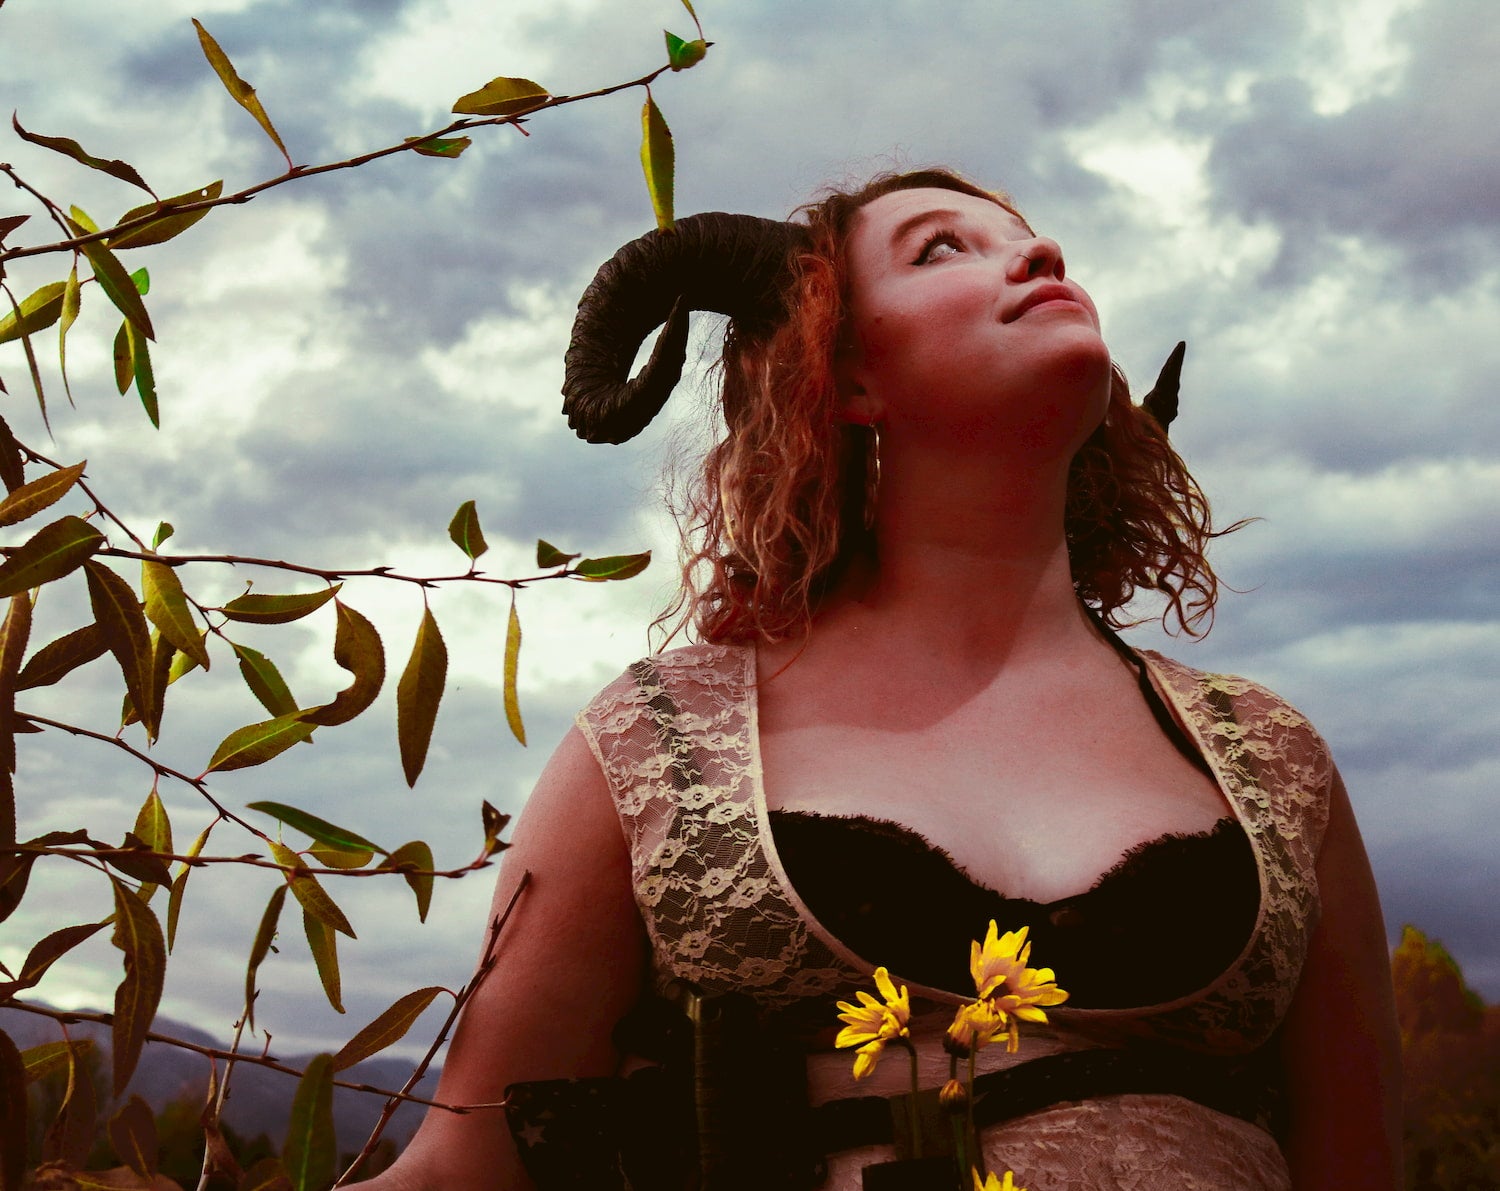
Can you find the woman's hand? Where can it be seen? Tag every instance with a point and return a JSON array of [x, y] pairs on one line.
[[1340, 1044], [569, 965]]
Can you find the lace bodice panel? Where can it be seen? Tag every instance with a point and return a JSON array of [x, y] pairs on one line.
[[677, 740]]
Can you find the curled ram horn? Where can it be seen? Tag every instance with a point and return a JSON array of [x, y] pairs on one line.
[[730, 264]]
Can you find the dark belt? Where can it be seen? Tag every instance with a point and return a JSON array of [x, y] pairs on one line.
[[1236, 1088]]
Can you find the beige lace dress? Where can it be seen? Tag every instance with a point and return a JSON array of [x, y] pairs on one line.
[[677, 738]]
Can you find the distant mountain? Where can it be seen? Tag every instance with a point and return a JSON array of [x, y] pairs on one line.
[[259, 1099]]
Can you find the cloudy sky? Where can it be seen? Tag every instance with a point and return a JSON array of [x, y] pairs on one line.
[[1309, 194]]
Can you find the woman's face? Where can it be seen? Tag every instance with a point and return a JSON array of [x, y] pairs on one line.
[[963, 320]]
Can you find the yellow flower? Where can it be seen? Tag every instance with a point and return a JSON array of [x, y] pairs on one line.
[[953, 1096], [991, 1183], [1001, 959], [1029, 991], [975, 1026], [871, 1024]]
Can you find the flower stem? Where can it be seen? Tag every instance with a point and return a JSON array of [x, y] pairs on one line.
[[914, 1116]]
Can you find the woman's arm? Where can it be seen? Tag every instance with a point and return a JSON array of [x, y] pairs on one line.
[[569, 965], [1340, 1044]]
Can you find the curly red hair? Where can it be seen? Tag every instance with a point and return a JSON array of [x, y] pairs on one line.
[[766, 534]]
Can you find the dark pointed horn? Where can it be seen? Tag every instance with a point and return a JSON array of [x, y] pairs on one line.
[[731, 264], [1161, 402]]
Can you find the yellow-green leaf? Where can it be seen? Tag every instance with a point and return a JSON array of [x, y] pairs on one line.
[[657, 161], [440, 146], [138, 935], [153, 828], [169, 225], [115, 282], [418, 695], [32, 370], [502, 97], [305, 889], [164, 530], [548, 555], [330, 857], [387, 1029], [266, 1175], [73, 1131], [49, 1056], [325, 951], [265, 681], [39, 311], [123, 360], [512, 667], [357, 648], [414, 862], [683, 55], [242, 92], [72, 303], [179, 885], [167, 609], [83, 220], [277, 609], [50, 553], [265, 935], [15, 632], [309, 1154], [616, 566], [44, 491], [132, 1131], [123, 624], [12, 468], [319, 829], [465, 532], [46, 952], [255, 744], [114, 167]]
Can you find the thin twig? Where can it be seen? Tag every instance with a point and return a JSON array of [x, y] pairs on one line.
[[298, 870], [486, 963]]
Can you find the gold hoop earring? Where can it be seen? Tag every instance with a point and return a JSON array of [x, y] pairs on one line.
[[725, 520], [872, 476]]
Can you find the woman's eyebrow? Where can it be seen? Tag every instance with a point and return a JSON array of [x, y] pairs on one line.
[[906, 226]]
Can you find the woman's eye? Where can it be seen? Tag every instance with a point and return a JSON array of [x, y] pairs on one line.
[[939, 247]]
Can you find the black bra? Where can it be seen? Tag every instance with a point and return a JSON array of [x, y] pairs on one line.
[[1165, 921]]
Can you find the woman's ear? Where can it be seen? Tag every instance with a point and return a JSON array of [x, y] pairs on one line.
[[856, 404]]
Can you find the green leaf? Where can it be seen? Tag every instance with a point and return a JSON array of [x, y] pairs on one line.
[[145, 378], [153, 828], [132, 1131], [52, 552], [114, 167], [179, 886], [123, 359], [141, 279], [116, 283], [266, 1175], [309, 1150], [319, 829], [39, 311], [465, 532], [44, 954], [160, 230], [167, 609], [548, 555], [75, 1128], [331, 857], [43, 492], [138, 935], [616, 566], [13, 1131], [15, 870], [684, 55], [657, 161], [418, 695], [502, 97], [414, 862], [164, 530], [440, 146], [325, 951], [512, 666], [15, 631], [123, 624], [12, 469], [265, 681], [387, 1029], [255, 744], [240, 91], [265, 935], [305, 889], [277, 609], [72, 303], [31, 365], [49, 1056], [687, 4], [136, 860], [83, 220], [357, 648]]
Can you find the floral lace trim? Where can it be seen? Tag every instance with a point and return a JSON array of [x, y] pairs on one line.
[[677, 739]]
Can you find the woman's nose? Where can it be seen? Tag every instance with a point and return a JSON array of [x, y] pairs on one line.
[[1037, 257]]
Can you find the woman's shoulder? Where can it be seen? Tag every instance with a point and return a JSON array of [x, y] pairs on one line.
[[686, 679], [1226, 696]]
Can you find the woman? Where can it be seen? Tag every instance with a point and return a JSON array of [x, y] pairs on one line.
[[908, 715]]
